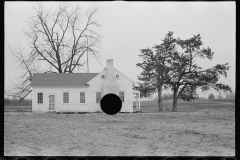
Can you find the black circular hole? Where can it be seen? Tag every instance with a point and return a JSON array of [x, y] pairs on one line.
[[111, 104]]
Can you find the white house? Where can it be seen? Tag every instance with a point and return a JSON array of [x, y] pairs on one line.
[[81, 92]]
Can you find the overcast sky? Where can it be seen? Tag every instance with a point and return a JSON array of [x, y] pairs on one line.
[[128, 27]]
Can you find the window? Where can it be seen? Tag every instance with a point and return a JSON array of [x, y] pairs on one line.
[[65, 97], [121, 95], [82, 97], [103, 76], [117, 76], [98, 97], [40, 98]]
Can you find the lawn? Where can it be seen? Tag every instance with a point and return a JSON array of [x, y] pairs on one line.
[[184, 106], [207, 129]]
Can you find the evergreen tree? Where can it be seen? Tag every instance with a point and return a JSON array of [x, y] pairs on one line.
[[173, 65], [156, 67], [188, 75]]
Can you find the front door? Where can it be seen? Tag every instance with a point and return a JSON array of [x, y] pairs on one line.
[[51, 102]]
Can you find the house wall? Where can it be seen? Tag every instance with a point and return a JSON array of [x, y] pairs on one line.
[[74, 105], [125, 86]]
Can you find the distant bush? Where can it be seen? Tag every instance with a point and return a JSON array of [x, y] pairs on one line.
[[167, 96], [211, 96], [170, 96], [219, 96], [196, 97], [230, 96], [15, 102], [7, 101]]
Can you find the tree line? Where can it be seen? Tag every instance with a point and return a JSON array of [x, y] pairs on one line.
[[172, 65], [17, 102], [168, 96]]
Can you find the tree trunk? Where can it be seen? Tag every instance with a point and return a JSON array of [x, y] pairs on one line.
[[60, 70], [160, 98], [175, 98]]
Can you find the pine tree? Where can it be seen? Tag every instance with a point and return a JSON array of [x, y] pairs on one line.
[[156, 67]]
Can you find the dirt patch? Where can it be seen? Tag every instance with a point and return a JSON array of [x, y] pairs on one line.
[[199, 133]]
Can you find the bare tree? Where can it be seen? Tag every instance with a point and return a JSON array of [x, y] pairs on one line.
[[22, 87], [60, 38]]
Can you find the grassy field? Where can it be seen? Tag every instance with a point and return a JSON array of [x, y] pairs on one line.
[[184, 106], [196, 133], [25, 108], [181, 102], [199, 128], [152, 106]]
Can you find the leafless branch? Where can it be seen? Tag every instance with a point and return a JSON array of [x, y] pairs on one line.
[[59, 38]]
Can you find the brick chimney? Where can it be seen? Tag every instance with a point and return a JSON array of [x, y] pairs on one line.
[[110, 85], [109, 67]]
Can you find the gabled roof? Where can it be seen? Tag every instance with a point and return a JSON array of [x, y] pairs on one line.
[[115, 70], [96, 75], [124, 75], [61, 79]]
